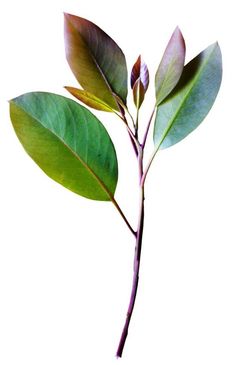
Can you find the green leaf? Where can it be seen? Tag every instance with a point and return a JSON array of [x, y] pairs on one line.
[[97, 62], [191, 100], [138, 93], [171, 66], [68, 142], [89, 99]]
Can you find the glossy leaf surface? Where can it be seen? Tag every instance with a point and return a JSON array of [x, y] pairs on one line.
[[96, 60], [138, 93], [89, 99], [191, 100], [68, 142], [171, 66], [140, 71]]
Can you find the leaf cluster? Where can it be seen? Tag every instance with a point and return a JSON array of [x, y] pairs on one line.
[[72, 146]]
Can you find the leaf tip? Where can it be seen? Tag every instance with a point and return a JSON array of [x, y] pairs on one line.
[[178, 34], [11, 101], [66, 15], [69, 89], [69, 17], [215, 46], [177, 29]]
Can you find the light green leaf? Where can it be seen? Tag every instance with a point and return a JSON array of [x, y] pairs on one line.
[[138, 93], [68, 142], [191, 100], [89, 99]]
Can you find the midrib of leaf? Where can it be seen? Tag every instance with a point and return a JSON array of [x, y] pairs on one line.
[[99, 101], [110, 195], [89, 96], [184, 99], [138, 93], [97, 65]]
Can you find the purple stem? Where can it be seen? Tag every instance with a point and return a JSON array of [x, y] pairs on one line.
[[134, 146], [137, 256], [148, 127]]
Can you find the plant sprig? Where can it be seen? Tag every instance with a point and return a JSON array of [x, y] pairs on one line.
[[73, 147]]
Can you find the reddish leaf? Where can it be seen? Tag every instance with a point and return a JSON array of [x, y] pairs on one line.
[[96, 60], [140, 70]]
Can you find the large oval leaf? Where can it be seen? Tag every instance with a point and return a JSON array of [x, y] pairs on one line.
[[68, 142], [171, 66], [96, 60], [191, 100]]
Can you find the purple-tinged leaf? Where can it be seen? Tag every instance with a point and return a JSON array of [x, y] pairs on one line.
[[97, 62], [138, 93], [171, 66], [191, 100], [140, 70], [89, 99]]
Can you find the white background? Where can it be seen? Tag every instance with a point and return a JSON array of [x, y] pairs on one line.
[[65, 261]]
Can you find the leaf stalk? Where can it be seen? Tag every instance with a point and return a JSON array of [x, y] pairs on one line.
[[148, 127], [123, 216]]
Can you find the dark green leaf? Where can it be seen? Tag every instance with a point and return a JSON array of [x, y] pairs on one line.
[[68, 142], [191, 100], [96, 60]]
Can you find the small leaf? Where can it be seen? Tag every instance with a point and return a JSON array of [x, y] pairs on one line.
[[140, 71], [89, 99], [171, 66], [68, 142], [97, 62], [138, 92], [191, 100]]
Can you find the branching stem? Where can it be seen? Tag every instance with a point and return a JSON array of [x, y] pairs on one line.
[[149, 164], [133, 138], [131, 134], [137, 256], [139, 233], [148, 127]]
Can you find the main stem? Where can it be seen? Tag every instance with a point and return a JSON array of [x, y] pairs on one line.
[[137, 256]]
